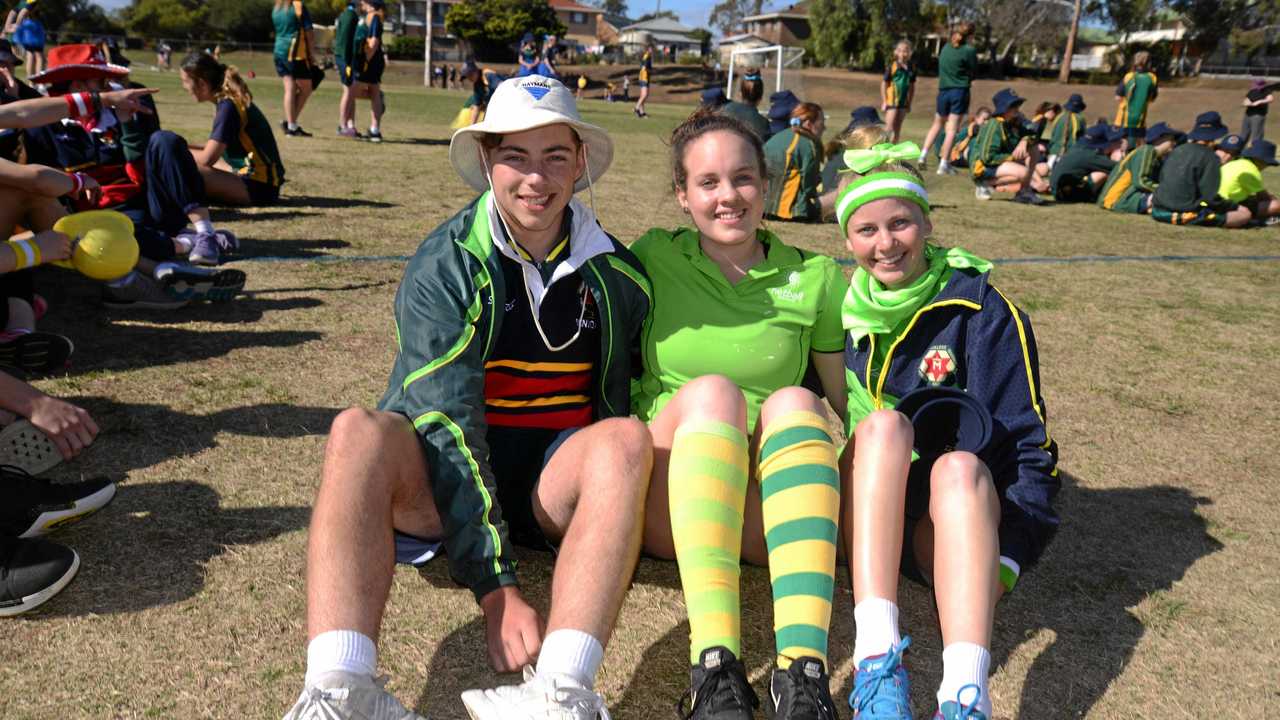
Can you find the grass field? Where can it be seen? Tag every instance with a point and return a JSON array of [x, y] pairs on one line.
[[1158, 598]]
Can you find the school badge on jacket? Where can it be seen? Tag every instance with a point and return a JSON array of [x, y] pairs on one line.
[[938, 365]]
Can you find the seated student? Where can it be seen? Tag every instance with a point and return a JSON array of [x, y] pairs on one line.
[[965, 137], [794, 158], [529, 57], [145, 172], [1066, 128], [1001, 159], [1079, 175], [1190, 178], [1134, 95], [968, 524], [751, 88], [781, 104], [1133, 180], [713, 98], [744, 462], [861, 117], [240, 162], [506, 418], [484, 82], [1242, 180], [1230, 147]]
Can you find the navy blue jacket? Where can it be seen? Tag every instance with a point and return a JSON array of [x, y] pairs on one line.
[[993, 357]]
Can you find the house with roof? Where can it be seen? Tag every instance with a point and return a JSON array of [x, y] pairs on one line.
[[665, 33], [582, 22], [413, 21], [788, 26], [609, 28], [741, 41]]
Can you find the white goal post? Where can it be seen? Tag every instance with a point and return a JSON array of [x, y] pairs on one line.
[[780, 55]]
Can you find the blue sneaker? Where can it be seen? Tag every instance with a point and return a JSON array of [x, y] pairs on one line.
[[880, 687], [208, 249], [958, 710]]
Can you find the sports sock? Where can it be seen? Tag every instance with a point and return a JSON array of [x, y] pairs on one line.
[[573, 653], [182, 244], [964, 664], [293, 126], [800, 489], [204, 226], [876, 624], [707, 491], [341, 650]]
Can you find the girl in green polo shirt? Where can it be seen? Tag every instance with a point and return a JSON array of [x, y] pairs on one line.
[[745, 463]]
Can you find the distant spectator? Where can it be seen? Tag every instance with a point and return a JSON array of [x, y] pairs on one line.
[[1135, 93], [751, 89], [626, 88], [1242, 181], [582, 87], [865, 129], [957, 65], [1002, 159], [294, 59], [1079, 175], [164, 56], [453, 77], [550, 49], [781, 104], [898, 89], [1066, 128], [370, 63], [646, 70], [1133, 181], [529, 57], [344, 55], [794, 160], [713, 98], [27, 33], [1256, 103], [1190, 179]]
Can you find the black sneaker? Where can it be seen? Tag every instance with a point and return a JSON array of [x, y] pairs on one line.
[[32, 572], [373, 136], [718, 689], [801, 692], [33, 506], [1029, 197], [298, 132], [189, 283], [35, 353]]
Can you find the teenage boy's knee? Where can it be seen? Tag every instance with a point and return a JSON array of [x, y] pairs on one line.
[[364, 428]]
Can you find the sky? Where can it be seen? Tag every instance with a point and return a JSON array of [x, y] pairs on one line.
[[692, 12]]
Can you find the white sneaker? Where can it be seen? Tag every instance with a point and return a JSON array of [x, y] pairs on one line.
[[983, 191], [549, 697], [348, 696], [946, 169], [923, 162]]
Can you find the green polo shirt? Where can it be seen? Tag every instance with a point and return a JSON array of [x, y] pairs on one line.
[[957, 66], [758, 332], [749, 116], [1241, 180]]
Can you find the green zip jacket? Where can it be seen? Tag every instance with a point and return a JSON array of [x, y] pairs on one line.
[[1131, 181], [446, 330], [1065, 130]]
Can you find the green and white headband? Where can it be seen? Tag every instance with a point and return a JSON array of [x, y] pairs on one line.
[[879, 185]]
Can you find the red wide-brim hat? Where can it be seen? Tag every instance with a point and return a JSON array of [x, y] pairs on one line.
[[77, 62]]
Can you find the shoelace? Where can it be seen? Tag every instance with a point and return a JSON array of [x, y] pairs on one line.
[[970, 710], [566, 697], [716, 685], [870, 705], [811, 698]]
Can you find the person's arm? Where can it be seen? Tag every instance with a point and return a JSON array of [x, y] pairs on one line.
[[70, 427], [308, 32], [827, 342], [44, 180], [1147, 178], [884, 88], [226, 127], [27, 250], [44, 111], [1004, 373], [911, 92]]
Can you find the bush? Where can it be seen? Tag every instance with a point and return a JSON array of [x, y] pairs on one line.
[[405, 47], [690, 59]]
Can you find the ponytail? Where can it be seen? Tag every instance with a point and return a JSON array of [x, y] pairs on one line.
[[224, 79]]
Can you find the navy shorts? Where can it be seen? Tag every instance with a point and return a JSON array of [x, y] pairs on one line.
[[516, 469], [346, 74], [953, 101], [915, 510], [300, 69], [261, 193], [371, 73]]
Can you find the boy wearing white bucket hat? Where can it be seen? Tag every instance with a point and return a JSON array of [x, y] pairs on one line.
[[506, 420]]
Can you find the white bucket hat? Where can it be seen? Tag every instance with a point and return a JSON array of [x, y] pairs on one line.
[[528, 103]]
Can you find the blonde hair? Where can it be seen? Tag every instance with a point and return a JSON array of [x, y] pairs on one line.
[[869, 136], [903, 44], [1141, 60], [864, 136]]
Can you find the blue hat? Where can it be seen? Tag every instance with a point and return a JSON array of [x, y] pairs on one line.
[[1161, 130], [780, 106], [1232, 143], [1262, 150], [528, 38], [1208, 127], [945, 419], [1075, 103], [862, 116], [714, 96], [1006, 99]]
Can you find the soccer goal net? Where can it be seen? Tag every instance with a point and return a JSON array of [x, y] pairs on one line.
[[778, 65]]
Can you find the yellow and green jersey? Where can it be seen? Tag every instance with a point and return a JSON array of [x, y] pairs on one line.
[[995, 144], [1136, 92], [251, 144], [794, 161], [1132, 181], [291, 22], [1064, 132], [898, 79]]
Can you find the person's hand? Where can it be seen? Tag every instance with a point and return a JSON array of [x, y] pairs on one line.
[[513, 630], [1020, 152], [884, 107], [70, 427], [53, 245], [8, 81], [128, 103], [92, 191]]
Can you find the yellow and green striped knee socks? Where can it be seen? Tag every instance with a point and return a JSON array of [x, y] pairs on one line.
[[800, 487], [707, 488]]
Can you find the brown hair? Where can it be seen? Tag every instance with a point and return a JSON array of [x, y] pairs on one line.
[[806, 112], [869, 136], [1141, 60], [700, 123], [962, 31], [752, 89], [490, 141], [225, 80]]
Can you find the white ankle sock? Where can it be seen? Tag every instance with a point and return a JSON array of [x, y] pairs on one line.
[[573, 653], [293, 126], [963, 664], [345, 650], [204, 226], [876, 624]]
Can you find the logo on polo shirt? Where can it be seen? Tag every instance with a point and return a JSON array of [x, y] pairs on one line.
[[537, 88], [938, 365], [789, 293]]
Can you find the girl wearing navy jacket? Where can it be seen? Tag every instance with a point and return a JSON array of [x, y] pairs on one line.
[[966, 523]]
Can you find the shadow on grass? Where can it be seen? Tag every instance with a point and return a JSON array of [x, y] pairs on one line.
[[300, 248], [418, 141], [244, 309], [150, 547], [235, 214], [316, 201], [123, 347]]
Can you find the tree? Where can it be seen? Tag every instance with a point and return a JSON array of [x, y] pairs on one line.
[[1126, 16], [166, 18], [1209, 21], [613, 7], [703, 36], [659, 14], [493, 27], [836, 31], [887, 21], [727, 15]]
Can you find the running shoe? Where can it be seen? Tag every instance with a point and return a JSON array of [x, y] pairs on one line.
[[958, 710], [23, 445], [983, 191], [718, 689], [141, 292], [32, 572], [34, 353], [539, 697], [348, 133], [1029, 197], [881, 690], [922, 163], [801, 692], [208, 249], [348, 696], [946, 169], [190, 283], [373, 136], [33, 506]]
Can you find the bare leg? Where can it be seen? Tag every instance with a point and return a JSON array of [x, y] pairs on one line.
[[938, 122], [346, 109], [224, 187], [953, 124], [374, 479], [376, 107], [592, 494], [874, 499], [290, 100], [300, 98], [893, 118]]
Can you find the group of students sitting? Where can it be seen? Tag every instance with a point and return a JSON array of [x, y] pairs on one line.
[[558, 390], [96, 144]]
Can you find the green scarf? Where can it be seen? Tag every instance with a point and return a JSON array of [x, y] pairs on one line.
[[871, 309]]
